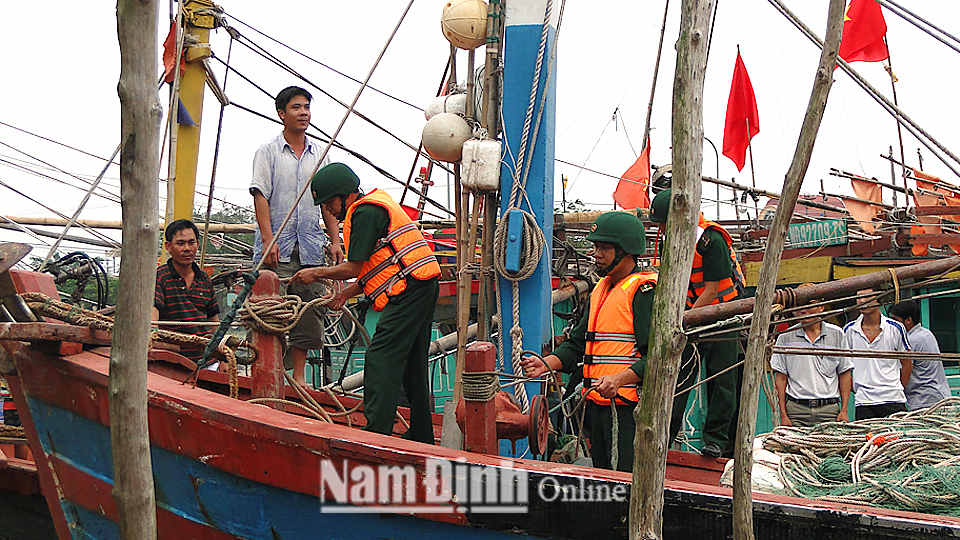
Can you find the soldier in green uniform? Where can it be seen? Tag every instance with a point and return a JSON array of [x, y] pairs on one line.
[[395, 268], [716, 277], [611, 338]]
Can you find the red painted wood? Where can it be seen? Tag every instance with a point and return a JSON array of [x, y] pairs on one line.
[[690, 467], [20, 476], [848, 250], [27, 281], [267, 372], [49, 483], [480, 422]]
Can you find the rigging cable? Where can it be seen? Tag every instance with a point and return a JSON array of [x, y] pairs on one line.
[[339, 145], [276, 61], [894, 7], [47, 208], [58, 169], [216, 157], [381, 92], [892, 109], [76, 214]]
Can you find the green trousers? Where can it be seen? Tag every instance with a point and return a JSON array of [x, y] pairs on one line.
[[601, 435], [723, 393], [397, 356]]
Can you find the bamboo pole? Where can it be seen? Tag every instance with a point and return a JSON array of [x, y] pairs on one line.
[[758, 350], [667, 339], [104, 224], [825, 291], [140, 116], [489, 114], [461, 201]]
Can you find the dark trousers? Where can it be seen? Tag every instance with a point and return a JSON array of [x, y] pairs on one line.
[[883, 410], [397, 356], [723, 392], [601, 435]]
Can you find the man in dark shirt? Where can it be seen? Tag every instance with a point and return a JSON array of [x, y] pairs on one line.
[[184, 292], [396, 270]]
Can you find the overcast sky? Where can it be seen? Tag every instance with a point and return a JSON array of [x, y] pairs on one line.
[[61, 81]]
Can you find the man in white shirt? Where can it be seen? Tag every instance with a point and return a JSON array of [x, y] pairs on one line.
[[928, 382], [812, 388], [281, 168], [878, 382]]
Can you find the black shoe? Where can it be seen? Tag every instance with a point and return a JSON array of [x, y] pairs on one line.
[[711, 449]]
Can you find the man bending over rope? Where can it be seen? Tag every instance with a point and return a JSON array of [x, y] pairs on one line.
[[396, 269]]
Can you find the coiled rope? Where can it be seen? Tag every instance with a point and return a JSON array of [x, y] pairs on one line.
[[12, 432], [908, 461]]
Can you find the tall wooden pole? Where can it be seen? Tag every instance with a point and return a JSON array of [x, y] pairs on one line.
[[758, 349], [490, 112], [667, 339], [140, 116]]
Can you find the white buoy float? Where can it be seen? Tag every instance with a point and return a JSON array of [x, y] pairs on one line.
[[444, 135], [464, 23], [451, 103]]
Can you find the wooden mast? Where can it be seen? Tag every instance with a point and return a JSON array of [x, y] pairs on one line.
[[758, 350], [140, 117], [199, 19], [666, 337]]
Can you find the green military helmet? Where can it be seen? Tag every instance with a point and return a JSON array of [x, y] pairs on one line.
[[660, 206], [621, 228], [333, 180]]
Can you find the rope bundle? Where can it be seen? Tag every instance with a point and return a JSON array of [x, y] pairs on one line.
[[908, 461], [12, 432], [481, 386], [45, 306]]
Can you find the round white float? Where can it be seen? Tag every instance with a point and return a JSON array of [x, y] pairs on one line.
[[444, 135]]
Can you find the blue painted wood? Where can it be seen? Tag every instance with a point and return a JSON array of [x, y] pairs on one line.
[[222, 501], [522, 42], [514, 249]]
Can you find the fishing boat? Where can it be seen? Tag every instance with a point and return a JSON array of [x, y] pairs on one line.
[[226, 468], [230, 467]]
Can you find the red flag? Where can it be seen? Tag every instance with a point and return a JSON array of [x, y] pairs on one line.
[[170, 55], [633, 189], [863, 31], [743, 121]]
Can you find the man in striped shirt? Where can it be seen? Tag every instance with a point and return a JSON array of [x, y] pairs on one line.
[[184, 291]]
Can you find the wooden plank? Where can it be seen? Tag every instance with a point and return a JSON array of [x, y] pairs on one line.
[[937, 210], [935, 238], [793, 271], [852, 249]]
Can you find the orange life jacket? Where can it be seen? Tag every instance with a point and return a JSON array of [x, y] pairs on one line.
[[611, 342], [402, 253], [728, 286]]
